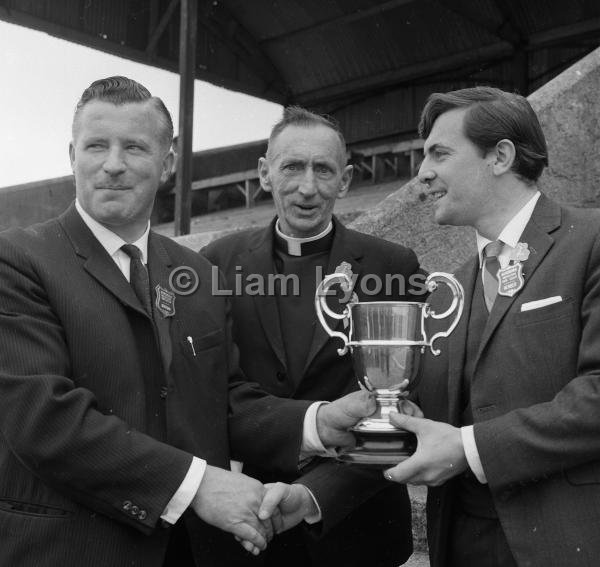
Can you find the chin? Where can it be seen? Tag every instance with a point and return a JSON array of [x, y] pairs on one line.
[[440, 218], [303, 229]]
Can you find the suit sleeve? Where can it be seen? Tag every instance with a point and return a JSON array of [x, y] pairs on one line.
[[54, 429], [533, 443], [340, 489], [264, 430]]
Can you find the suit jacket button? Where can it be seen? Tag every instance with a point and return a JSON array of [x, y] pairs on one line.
[[135, 510], [163, 392], [142, 515], [280, 376], [126, 505]]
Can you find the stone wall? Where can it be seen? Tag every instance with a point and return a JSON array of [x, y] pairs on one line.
[[30, 203], [569, 111]]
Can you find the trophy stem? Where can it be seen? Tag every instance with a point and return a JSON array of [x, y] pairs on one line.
[[378, 442], [387, 403]]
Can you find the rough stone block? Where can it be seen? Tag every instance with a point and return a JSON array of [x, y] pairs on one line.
[[569, 111]]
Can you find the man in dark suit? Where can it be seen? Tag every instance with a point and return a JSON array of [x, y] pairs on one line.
[[511, 445], [283, 347], [115, 382]]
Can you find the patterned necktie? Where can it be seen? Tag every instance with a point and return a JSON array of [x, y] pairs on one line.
[[138, 276], [490, 272]]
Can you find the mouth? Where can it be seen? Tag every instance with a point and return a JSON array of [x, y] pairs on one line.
[[113, 187], [436, 194], [304, 209]]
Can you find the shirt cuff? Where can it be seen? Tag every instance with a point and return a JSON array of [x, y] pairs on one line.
[[468, 438], [186, 491], [316, 517], [311, 442]]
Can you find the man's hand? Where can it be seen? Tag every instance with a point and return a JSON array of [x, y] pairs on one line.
[[409, 408], [286, 505], [230, 501], [439, 456], [334, 419]]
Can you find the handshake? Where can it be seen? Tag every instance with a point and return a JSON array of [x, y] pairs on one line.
[[254, 512]]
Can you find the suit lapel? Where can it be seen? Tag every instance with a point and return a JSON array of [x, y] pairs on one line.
[[545, 218], [341, 251], [97, 262], [457, 341], [260, 261], [159, 269]]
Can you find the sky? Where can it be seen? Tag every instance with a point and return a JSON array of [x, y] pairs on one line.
[[41, 79]]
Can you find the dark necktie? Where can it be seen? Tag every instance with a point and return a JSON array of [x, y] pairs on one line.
[[138, 276], [491, 265]]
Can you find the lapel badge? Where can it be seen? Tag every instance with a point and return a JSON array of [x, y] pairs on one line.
[[165, 301], [520, 253], [347, 285], [346, 269], [510, 279]]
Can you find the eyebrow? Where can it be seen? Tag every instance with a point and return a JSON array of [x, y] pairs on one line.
[[434, 147]]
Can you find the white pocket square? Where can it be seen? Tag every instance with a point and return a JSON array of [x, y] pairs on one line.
[[540, 303]]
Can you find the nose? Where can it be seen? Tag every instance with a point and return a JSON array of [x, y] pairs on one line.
[[308, 186], [425, 173], [114, 163]]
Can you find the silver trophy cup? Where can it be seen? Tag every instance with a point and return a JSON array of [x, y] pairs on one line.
[[386, 340]]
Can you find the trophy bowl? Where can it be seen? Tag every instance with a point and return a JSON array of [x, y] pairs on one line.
[[386, 340]]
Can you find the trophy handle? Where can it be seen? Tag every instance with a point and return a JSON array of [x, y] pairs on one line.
[[321, 305], [458, 301]]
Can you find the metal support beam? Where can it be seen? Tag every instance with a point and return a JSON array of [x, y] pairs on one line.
[[222, 26], [187, 71], [521, 72], [412, 72], [160, 28], [562, 33], [340, 20]]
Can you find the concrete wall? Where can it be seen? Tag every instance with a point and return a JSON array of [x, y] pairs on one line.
[[569, 111]]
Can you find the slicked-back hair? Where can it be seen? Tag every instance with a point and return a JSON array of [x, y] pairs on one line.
[[122, 90], [493, 115], [298, 116]]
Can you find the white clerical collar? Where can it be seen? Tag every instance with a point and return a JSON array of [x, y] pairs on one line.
[[110, 241], [511, 233], [294, 244]]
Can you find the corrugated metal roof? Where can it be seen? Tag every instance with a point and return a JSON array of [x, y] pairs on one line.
[[370, 62]]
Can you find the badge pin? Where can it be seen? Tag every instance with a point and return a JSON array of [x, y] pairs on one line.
[[520, 253], [346, 269], [510, 279], [165, 301]]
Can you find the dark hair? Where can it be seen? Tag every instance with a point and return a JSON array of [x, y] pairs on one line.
[[122, 90], [298, 116], [493, 115]]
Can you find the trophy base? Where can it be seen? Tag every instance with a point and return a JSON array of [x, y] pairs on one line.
[[380, 449]]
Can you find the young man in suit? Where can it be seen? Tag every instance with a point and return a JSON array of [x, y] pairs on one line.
[[285, 349], [511, 445], [114, 387]]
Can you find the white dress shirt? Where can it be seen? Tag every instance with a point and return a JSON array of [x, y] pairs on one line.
[[509, 236]]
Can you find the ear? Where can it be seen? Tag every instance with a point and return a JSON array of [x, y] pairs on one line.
[[72, 154], [346, 180], [504, 155], [167, 166], [263, 175]]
